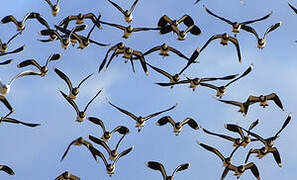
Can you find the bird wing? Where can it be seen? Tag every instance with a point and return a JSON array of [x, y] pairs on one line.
[[181, 168], [98, 153], [219, 78], [276, 100], [221, 18], [213, 150], [124, 111], [65, 153], [121, 129], [225, 172], [84, 80], [123, 154], [177, 52], [250, 30], [6, 169], [92, 100], [284, 125], [24, 73], [13, 37], [98, 122], [235, 42], [164, 120], [100, 142], [11, 120], [219, 135], [133, 6], [157, 113], [163, 21], [157, 166], [235, 128], [70, 101], [255, 20], [160, 71], [254, 169], [276, 156], [29, 62], [117, 6], [292, 7], [6, 62], [6, 103], [246, 72], [64, 77], [191, 122], [239, 104], [272, 28], [14, 51], [209, 85], [209, 40], [8, 19]]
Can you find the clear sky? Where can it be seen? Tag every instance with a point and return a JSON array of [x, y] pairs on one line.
[[34, 153]]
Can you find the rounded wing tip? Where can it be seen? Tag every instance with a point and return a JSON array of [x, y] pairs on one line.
[[280, 22], [290, 114], [157, 123], [252, 66], [198, 142]]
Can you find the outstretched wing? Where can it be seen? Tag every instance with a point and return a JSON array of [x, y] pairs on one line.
[[64, 77], [284, 125], [213, 150], [276, 100], [11, 120], [157, 113], [124, 111], [157, 166], [98, 122], [191, 122], [117, 6]]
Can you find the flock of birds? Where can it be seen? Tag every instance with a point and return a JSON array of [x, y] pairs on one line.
[[66, 36]]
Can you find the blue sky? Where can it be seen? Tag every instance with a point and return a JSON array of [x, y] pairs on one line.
[[34, 153]]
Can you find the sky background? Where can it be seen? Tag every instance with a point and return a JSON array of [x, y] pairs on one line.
[[34, 153]]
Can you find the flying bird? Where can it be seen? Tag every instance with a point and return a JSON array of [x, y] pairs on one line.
[[129, 29], [194, 83], [80, 19], [292, 7], [54, 7], [107, 134], [268, 144], [78, 142], [222, 89], [111, 167], [14, 51], [177, 126], [120, 47], [127, 13], [236, 25], [21, 24], [140, 121], [73, 91], [261, 42], [159, 167], [43, 70], [225, 38], [167, 25], [80, 114], [263, 100]]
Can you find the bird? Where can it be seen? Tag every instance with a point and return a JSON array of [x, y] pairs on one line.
[[159, 167], [181, 35], [261, 42], [7, 104], [4, 46], [73, 91], [293, 8], [140, 121], [127, 13], [80, 114], [107, 134], [225, 38], [268, 143], [83, 41], [222, 89], [11, 120], [5, 88], [43, 70], [177, 126], [113, 154], [244, 139], [173, 78], [7, 169], [119, 47], [111, 167], [67, 176], [78, 142], [14, 51], [167, 25], [21, 24], [236, 25], [80, 20], [227, 161], [129, 29], [194, 83], [239, 170], [128, 54], [263, 100], [55, 8], [164, 51]]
